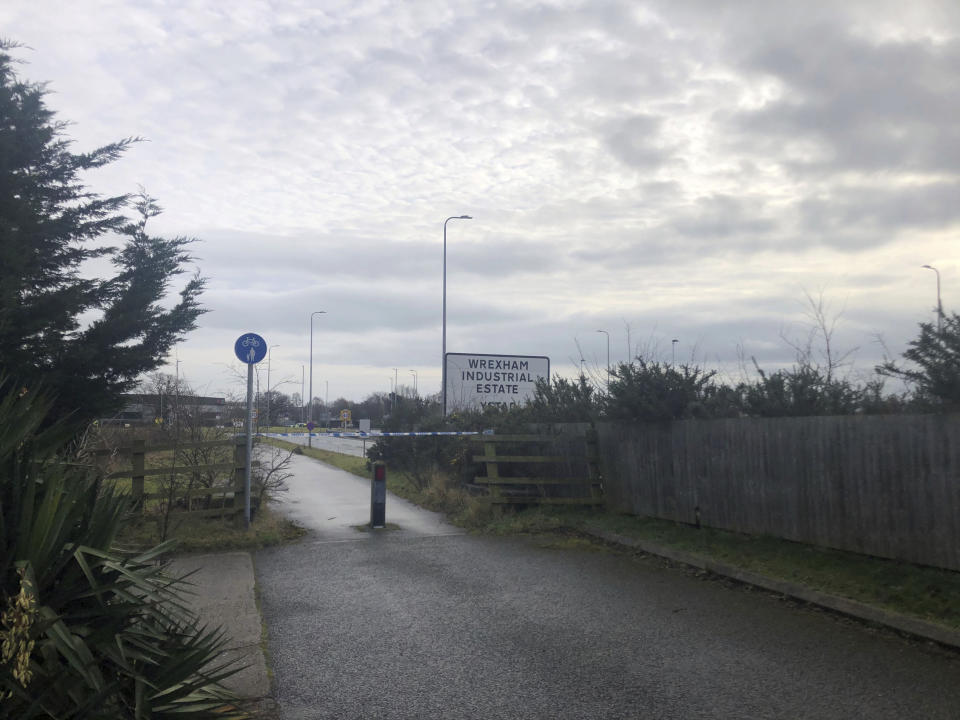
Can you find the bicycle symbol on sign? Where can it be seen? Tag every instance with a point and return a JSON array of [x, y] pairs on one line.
[[248, 341]]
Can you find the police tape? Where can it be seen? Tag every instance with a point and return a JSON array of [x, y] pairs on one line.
[[375, 434]]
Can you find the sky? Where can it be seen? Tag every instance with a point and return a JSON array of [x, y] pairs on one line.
[[663, 171]]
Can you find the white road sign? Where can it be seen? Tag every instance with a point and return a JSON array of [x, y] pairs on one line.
[[477, 380]]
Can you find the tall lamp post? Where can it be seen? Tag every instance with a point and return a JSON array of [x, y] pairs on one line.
[[939, 304], [316, 312], [414, 373], [269, 349], [608, 355], [673, 347], [443, 356]]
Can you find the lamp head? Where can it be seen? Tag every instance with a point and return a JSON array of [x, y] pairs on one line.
[[928, 267], [466, 217]]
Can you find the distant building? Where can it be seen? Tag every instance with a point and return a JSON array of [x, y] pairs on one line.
[[150, 408]]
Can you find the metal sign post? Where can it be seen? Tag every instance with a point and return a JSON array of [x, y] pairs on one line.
[[250, 349]]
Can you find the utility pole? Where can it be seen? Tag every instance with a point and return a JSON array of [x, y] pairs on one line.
[[268, 382], [316, 312]]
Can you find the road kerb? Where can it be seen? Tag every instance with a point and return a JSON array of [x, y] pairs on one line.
[[897, 621]]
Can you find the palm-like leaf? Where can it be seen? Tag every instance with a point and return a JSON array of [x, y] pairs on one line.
[[111, 636]]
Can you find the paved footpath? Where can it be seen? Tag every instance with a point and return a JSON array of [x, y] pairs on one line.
[[221, 590], [426, 622]]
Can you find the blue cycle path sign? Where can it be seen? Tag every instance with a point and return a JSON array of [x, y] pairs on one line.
[[250, 348]]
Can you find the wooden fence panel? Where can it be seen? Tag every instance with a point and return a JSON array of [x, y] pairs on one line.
[[882, 485]]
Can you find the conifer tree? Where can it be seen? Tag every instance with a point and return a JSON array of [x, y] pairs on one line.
[[935, 371], [85, 339]]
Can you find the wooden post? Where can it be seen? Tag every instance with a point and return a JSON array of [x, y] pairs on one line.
[[594, 475], [493, 472], [239, 474], [138, 454]]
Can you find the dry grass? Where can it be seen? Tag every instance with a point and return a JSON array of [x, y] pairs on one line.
[[196, 534]]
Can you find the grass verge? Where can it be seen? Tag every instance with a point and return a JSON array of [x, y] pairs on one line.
[[195, 534], [923, 592]]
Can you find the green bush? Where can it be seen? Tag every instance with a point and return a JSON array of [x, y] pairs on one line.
[[87, 630]]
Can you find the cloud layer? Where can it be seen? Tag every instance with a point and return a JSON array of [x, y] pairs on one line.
[[684, 169]]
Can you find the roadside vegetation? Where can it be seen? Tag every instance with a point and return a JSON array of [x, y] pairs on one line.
[[88, 629], [436, 472], [90, 626]]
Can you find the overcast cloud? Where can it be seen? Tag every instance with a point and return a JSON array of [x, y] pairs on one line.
[[684, 169]]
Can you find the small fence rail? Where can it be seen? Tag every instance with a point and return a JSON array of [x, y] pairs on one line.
[[578, 488], [223, 500]]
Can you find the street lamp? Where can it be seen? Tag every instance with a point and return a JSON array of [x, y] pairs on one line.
[[939, 304], [673, 346], [317, 312], [396, 385], [414, 373], [176, 388], [608, 354], [269, 349], [443, 356]]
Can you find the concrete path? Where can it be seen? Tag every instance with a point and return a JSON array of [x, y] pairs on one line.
[[428, 623], [331, 503], [222, 592]]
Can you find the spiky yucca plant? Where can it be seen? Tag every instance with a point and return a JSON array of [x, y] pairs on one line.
[[87, 631]]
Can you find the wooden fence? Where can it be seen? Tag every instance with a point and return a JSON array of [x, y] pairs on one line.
[[188, 495], [572, 477], [881, 485]]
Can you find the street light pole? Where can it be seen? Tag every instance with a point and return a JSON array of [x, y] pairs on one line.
[[316, 312], [302, 388], [414, 373], [939, 304], [443, 356], [396, 386], [269, 350], [176, 388], [608, 355], [673, 346]]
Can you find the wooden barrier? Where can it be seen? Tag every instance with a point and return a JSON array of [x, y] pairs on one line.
[[581, 486], [881, 485], [229, 498]]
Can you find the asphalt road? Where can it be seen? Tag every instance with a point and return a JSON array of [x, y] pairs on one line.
[[346, 446], [426, 622]]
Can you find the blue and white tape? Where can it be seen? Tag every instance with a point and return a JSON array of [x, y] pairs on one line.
[[371, 434]]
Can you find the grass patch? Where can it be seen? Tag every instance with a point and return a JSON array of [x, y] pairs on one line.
[[196, 534]]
